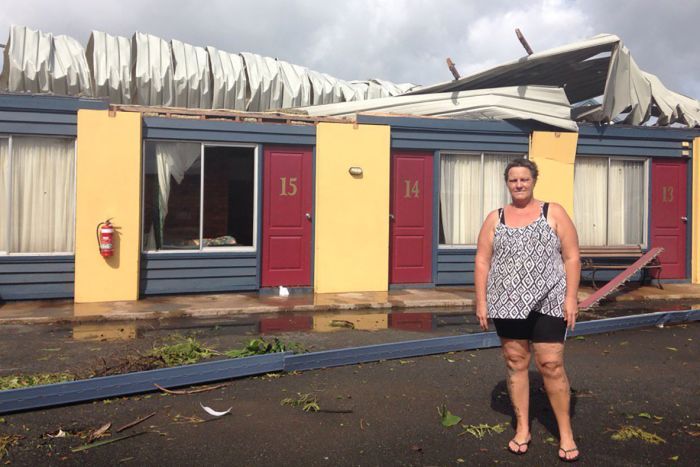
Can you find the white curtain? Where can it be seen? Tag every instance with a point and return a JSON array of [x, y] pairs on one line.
[[4, 193], [496, 194], [625, 203], [42, 195], [590, 200], [172, 160], [460, 198]]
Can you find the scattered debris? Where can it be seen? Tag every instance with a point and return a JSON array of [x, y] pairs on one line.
[[307, 402], [183, 352], [483, 429], [184, 419], [260, 346], [447, 418], [59, 434], [182, 392], [215, 413], [99, 433], [85, 447], [135, 422], [672, 349], [6, 442], [628, 432], [23, 381]]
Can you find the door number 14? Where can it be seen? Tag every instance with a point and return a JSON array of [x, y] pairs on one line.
[[412, 190]]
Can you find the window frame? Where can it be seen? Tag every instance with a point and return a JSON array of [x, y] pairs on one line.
[[208, 249], [482, 155], [645, 197], [8, 183]]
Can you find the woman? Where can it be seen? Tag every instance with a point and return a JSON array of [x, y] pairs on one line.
[[526, 275]]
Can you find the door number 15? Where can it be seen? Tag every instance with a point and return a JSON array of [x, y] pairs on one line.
[[289, 186]]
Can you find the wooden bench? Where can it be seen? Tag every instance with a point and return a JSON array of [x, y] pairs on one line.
[[630, 253]]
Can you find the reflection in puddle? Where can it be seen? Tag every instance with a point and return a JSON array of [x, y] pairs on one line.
[[438, 322], [105, 331]]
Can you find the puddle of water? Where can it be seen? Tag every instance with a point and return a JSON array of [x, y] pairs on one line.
[[105, 331]]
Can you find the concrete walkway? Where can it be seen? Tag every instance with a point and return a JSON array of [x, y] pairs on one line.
[[221, 305]]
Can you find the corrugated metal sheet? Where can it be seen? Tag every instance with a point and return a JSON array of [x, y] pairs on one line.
[[191, 76], [152, 61], [147, 70], [109, 59], [599, 66], [540, 103]]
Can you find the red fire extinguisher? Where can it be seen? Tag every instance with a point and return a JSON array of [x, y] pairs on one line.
[[105, 236]]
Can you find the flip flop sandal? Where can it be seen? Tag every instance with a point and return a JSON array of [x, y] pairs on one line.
[[566, 451], [520, 445]]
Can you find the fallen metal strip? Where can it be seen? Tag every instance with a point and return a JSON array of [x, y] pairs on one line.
[[619, 280], [373, 353], [37, 397], [600, 326]]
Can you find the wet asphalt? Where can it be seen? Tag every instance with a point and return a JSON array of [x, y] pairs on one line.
[[646, 379]]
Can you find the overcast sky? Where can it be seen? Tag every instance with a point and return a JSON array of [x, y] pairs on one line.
[[397, 40]]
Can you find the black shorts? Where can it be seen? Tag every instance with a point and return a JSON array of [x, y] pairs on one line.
[[536, 328]]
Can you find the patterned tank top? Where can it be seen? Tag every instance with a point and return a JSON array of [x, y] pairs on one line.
[[527, 271]]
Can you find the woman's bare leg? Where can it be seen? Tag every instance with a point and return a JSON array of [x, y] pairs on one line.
[[549, 358], [516, 353]]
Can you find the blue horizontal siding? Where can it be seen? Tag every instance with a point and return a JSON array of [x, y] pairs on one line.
[[228, 131], [163, 273], [36, 277], [455, 266], [614, 140], [43, 115], [454, 134]]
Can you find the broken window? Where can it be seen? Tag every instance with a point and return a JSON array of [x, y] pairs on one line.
[[199, 197]]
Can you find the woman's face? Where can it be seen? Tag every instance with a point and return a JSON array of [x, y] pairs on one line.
[[520, 184]]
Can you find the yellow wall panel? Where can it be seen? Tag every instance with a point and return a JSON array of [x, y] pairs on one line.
[[108, 180], [351, 251], [695, 245], [554, 153]]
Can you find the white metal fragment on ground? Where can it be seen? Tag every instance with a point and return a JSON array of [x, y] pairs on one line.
[[60, 434], [213, 412]]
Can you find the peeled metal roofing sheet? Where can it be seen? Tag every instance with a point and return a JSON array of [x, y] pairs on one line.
[[229, 81], [109, 59], [540, 103], [153, 71], [27, 61], [191, 76], [147, 70], [538, 66], [70, 74]]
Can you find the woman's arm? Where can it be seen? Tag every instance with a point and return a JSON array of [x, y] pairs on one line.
[[482, 264], [572, 262]]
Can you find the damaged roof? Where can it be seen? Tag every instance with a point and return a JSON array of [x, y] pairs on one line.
[[597, 78]]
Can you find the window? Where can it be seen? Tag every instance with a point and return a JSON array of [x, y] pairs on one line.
[[610, 195], [199, 197], [471, 186], [37, 195]]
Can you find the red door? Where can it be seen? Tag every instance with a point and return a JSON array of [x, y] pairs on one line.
[[286, 249], [668, 215], [411, 226]]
